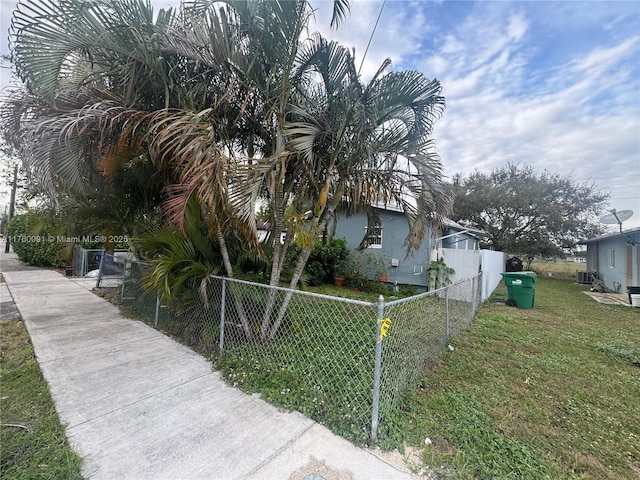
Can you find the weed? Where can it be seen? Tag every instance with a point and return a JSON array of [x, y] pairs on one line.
[[624, 351]]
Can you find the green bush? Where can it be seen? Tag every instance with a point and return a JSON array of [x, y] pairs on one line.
[[407, 290], [33, 238], [325, 261], [366, 272], [439, 274]]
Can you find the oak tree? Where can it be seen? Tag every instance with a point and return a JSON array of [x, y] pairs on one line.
[[527, 213]]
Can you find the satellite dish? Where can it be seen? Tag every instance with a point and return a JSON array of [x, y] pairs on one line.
[[616, 217]]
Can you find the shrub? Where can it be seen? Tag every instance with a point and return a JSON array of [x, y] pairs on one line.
[[439, 274], [366, 270], [33, 239], [325, 261], [408, 290]]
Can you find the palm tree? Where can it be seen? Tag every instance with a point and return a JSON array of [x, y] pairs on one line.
[[89, 71], [229, 97], [311, 144], [363, 145]]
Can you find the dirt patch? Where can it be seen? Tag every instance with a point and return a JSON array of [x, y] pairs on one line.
[[318, 470], [444, 446], [635, 469], [410, 462]]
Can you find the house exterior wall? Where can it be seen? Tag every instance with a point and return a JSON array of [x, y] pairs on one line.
[[467, 262], [635, 262], [593, 257], [617, 262], [409, 271]]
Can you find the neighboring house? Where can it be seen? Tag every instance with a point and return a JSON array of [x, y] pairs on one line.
[[458, 245], [576, 260], [388, 242], [457, 237], [616, 259]]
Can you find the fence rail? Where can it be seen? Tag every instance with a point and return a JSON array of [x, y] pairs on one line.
[[342, 362]]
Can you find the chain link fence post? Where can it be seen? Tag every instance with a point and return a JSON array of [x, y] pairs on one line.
[[223, 310], [124, 275], [104, 252], [446, 312], [377, 372], [155, 320]]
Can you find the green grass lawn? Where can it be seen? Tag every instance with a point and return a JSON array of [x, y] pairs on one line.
[[552, 392], [33, 444]]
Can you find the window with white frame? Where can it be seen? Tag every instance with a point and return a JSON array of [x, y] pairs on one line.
[[374, 236], [612, 258]]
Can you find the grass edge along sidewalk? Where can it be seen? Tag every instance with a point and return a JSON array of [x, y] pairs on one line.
[[33, 443], [545, 393]]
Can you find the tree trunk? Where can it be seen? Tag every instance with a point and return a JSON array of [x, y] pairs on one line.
[[278, 252], [242, 316], [297, 273]]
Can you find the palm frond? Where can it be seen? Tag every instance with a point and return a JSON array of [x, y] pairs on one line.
[[341, 10]]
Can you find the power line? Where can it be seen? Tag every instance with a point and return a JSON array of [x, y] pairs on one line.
[[371, 37]]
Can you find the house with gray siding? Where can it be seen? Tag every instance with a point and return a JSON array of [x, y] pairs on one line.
[[615, 257], [388, 242]]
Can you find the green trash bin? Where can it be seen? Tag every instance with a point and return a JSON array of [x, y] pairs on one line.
[[521, 288]]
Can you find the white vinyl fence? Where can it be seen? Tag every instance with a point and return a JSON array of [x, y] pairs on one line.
[[469, 263]]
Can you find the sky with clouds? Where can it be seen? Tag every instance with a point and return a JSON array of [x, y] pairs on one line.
[[552, 84]]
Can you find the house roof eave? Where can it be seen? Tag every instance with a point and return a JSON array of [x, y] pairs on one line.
[[608, 236]]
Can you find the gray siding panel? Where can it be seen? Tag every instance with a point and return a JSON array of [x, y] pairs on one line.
[[412, 270]]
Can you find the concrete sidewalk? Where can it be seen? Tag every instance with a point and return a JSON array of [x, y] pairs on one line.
[[137, 405]]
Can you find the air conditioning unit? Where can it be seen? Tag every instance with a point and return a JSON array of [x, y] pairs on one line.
[[586, 277]]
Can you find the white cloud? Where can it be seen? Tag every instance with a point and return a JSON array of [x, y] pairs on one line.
[[601, 59], [517, 27], [451, 45], [398, 35], [580, 117]]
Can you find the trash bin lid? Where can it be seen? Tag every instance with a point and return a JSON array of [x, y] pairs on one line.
[[527, 279], [533, 275]]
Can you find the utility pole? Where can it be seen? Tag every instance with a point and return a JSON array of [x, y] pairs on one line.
[[12, 203]]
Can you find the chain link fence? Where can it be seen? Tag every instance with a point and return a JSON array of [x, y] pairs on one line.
[[86, 260], [345, 363], [420, 327], [109, 266]]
